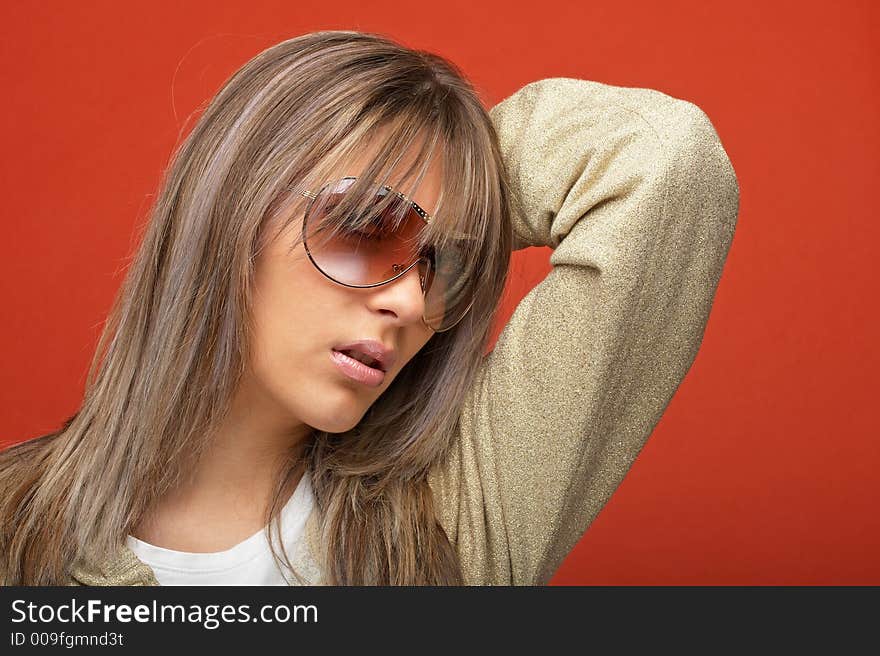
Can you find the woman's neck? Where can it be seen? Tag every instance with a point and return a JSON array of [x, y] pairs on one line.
[[225, 499]]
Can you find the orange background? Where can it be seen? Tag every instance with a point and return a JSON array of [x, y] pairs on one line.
[[764, 469]]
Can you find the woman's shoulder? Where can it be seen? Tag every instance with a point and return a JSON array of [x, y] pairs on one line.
[[30, 450], [22, 460], [26, 448], [21, 467]]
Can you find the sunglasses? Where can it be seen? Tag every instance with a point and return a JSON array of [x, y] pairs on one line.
[[384, 250]]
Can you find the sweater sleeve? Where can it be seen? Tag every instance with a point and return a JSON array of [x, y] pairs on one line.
[[636, 196]]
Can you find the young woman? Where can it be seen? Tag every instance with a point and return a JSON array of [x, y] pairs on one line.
[[293, 384]]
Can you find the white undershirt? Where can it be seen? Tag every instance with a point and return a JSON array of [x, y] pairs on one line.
[[248, 563]]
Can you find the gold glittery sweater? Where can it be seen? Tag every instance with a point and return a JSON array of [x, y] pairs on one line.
[[636, 195]]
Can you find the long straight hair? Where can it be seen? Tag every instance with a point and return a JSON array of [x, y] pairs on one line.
[[177, 338]]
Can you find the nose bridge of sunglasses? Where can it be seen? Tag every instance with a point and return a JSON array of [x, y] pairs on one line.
[[422, 267]]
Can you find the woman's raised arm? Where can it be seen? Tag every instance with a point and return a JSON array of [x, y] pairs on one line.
[[637, 197]]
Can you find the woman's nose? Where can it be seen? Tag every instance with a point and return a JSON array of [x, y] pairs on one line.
[[403, 297]]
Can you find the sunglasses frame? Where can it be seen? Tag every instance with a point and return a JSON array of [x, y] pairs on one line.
[[312, 196]]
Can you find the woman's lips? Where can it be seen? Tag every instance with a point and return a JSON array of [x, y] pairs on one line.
[[356, 370]]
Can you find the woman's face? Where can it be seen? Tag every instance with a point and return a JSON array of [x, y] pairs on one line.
[[300, 316]]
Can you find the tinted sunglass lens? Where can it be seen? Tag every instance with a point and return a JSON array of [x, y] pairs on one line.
[[452, 290], [362, 255]]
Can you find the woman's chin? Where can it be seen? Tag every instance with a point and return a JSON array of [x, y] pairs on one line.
[[339, 423]]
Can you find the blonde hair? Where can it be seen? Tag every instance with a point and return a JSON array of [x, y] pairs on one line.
[[176, 340]]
